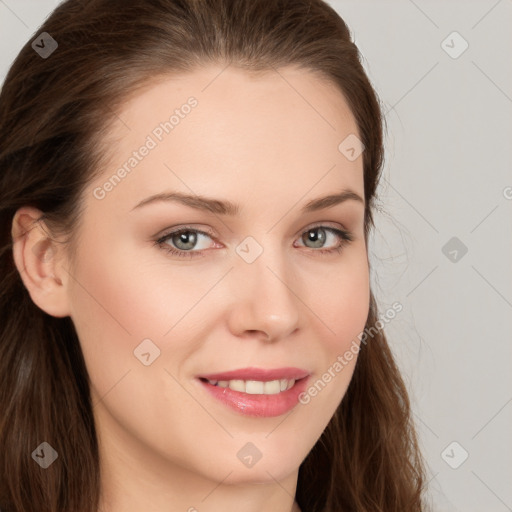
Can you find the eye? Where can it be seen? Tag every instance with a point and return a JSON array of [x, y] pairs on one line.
[[317, 236], [185, 239]]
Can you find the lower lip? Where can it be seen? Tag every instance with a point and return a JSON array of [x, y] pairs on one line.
[[258, 405]]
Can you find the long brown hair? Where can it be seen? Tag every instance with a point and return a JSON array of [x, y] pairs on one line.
[[54, 114]]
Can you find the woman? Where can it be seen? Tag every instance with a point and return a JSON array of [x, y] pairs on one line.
[[187, 191]]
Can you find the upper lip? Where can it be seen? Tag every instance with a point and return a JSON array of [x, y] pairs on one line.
[[259, 374]]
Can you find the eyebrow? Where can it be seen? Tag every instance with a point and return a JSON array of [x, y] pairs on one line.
[[229, 208]]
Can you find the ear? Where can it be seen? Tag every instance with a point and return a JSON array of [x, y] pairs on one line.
[[37, 258]]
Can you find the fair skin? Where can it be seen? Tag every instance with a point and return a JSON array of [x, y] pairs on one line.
[[166, 444]]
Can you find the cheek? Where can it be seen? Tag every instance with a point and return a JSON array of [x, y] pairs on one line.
[[115, 306], [137, 295], [341, 300], [122, 296]]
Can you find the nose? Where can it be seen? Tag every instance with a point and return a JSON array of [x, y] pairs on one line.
[[264, 302]]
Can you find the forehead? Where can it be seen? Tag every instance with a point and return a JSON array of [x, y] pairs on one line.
[[218, 130]]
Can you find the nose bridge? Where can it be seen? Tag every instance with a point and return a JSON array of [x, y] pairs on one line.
[[266, 300]]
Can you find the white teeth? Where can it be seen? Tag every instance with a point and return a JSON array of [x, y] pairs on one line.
[[237, 385], [255, 387], [272, 387]]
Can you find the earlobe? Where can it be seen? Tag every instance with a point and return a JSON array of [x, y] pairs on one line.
[[36, 257]]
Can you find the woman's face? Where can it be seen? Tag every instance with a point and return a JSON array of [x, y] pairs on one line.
[[249, 288]]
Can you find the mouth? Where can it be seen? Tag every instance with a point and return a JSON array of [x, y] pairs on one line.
[[257, 392]]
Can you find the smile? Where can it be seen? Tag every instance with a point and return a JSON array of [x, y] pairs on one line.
[[257, 392]]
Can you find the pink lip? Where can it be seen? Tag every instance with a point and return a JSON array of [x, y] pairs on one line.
[[260, 374], [258, 405]]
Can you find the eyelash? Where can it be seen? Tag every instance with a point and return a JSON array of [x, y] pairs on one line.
[[344, 236]]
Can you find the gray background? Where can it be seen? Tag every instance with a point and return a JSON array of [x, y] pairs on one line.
[[448, 166]]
